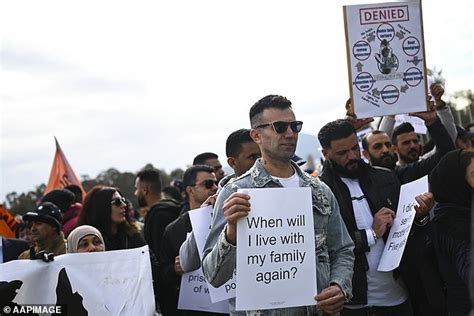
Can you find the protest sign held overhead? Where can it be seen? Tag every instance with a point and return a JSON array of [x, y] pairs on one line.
[[402, 223], [276, 250], [386, 58]]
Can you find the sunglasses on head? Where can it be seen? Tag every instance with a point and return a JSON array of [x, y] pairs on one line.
[[119, 201], [209, 183], [280, 127]]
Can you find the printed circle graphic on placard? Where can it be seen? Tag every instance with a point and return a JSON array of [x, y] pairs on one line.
[[361, 50], [411, 46], [413, 76], [390, 94], [364, 81], [386, 32]]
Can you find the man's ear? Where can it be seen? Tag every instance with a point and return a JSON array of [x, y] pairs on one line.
[[189, 190], [146, 189], [366, 154], [395, 148], [231, 162], [255, 135], [325, 153]]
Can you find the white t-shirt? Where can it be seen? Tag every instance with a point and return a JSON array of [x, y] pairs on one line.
[[382, 288], [291, 182]]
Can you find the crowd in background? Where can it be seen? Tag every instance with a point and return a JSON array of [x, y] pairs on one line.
[[362, 183]]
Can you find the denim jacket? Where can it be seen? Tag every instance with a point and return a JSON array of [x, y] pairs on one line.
[[334, 247]]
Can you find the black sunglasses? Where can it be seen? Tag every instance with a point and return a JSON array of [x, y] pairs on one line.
[[119, 201], [209, 183], [280, 127]]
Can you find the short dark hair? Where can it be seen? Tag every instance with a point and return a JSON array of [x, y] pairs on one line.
[[152, 177], [189, 177], [201, 158], [173, 192], [234, 142], [270, 101], [365, 144], [62, 198], [335, 130], [74, 188], [21, 227], [403, 128]]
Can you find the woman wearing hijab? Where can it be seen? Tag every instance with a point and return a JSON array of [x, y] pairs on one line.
[[85, 238], [451, 225], [105, 208]]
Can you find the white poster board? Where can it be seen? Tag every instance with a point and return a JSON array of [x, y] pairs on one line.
[[400, 230], [201, 222], [276, 250], [194, 294], [386, 58], [100, 283]]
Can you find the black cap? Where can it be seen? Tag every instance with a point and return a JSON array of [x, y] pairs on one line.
[[47, 213]]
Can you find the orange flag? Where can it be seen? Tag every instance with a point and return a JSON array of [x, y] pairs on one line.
[[7, 223], [61, 172]]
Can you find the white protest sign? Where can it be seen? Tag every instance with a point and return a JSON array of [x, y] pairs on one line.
[[201, 222], [276, 250], [402, 223], [101, 283], [386, 58], [418, 123], [194, 294]]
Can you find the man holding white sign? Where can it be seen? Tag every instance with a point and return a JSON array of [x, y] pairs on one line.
[[368, 198], [275, 130]]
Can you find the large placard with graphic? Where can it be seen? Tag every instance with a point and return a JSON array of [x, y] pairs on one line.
[[386, 58]]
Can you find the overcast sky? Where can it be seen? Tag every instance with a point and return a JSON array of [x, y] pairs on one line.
[[125, 83]]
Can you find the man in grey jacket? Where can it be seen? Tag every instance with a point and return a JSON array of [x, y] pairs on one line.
[[275, 130]]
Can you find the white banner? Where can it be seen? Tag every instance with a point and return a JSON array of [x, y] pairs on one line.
[[386, 58], [276, 250], [201, 222], [101, 283], [402, 223]]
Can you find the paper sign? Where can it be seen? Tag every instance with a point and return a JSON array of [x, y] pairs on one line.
[[201, 222], [101, 283], [276, 250], [194, 294], [402, 223], [386, 58]]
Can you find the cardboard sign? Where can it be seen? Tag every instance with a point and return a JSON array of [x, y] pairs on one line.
[[386, 58]]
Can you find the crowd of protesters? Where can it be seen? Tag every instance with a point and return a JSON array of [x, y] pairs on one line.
[[354, 205]]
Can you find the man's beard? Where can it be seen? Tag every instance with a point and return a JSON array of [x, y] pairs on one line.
[[410, 157], [345, 172], [387, 161], [141, 201]]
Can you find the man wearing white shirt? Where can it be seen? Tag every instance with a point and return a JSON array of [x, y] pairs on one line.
[[367, 198]]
